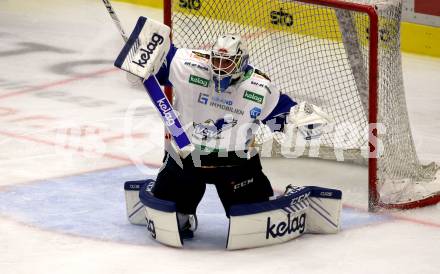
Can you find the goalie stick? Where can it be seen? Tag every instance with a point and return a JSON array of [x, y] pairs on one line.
[[115, 19], [134, 80], [157, 96]]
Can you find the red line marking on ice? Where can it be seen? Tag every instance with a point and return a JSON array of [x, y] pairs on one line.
[[34, 117], [64, 146], [122, 136], [67, 147], [5, 111], [417, 221], [57, 83], [66, 175], [395, 216]]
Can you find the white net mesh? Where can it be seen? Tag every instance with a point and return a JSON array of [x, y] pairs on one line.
[[320, 55]]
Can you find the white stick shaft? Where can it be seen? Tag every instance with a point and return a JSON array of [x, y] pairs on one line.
[[115, 18]]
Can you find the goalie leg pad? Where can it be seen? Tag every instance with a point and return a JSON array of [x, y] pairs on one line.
[[324, 211], [300, 210], [134, 206], [161, 218]]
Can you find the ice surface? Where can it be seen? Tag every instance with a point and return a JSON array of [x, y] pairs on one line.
[[64, 113]]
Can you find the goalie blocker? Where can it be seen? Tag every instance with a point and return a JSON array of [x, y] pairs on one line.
[[143, 54], [146, 48], [300, 210]]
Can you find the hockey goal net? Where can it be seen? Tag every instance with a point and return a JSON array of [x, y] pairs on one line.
[[343, 56]]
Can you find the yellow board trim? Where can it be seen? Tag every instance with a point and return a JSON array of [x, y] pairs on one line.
[[420, 39], [415, 38], [157, 4]]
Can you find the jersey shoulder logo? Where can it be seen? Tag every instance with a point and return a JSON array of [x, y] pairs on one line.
[[200, 55], [255, 112], [259, 73], [248, 74]]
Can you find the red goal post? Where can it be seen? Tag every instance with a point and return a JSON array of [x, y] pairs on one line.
[[377, 44]]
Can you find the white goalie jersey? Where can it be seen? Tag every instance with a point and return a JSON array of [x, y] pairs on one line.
[[224, 121]]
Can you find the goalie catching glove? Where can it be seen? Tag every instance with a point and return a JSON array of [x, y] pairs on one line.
[[309, 119]]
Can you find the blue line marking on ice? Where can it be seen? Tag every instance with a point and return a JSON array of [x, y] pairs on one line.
[[93, 205]]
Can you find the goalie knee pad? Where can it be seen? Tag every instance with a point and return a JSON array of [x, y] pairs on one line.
[[161, 218], [135, 208], [158, 215]]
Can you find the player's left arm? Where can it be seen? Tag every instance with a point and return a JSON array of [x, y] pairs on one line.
[[310, 120], [278, 105]]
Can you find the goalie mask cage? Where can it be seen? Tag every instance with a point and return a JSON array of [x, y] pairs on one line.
[[343, 56]]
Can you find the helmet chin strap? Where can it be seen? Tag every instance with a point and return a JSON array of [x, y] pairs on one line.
[[226, 81]]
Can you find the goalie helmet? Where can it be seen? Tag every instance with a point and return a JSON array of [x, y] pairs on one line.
[[229, 58]]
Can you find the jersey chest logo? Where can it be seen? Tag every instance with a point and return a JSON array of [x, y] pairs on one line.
[[197, 80], [252, 96], [218, 102], [210, 129]]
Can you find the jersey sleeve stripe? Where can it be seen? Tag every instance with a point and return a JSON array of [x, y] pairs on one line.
[[279, 113], [163, 75]]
